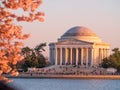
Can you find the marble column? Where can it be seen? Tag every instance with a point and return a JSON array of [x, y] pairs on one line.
[[76, 56], [60, 56], [50, 51], [81, 56], [104, 53], [86, 56], [56, 56], [108, 52], [92, 52], [101, 53], [71, 56], [65, 55]]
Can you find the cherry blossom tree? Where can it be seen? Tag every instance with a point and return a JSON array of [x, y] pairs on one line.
[[11, 36]]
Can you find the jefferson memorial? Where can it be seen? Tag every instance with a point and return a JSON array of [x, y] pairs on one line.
[[78, 46]]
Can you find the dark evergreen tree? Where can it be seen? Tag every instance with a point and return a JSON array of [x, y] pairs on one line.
[[113, 60], [33, 57]]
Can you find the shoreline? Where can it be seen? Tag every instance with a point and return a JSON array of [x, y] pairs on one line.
[[117, 77]]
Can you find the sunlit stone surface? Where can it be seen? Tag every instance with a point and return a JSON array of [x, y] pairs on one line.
[[78, 46]]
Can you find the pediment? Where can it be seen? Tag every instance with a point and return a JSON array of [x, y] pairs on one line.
[[73, 42]]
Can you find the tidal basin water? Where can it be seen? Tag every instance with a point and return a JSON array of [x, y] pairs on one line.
[[65, 84]]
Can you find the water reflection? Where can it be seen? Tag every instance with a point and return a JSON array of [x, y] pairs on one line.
[[66, 84]]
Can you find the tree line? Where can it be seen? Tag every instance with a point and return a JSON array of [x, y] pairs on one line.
[[33, 58]]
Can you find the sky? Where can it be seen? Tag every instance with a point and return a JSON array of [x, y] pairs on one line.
[[101, 16]]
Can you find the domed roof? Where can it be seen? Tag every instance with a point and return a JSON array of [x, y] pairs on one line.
[[80, 33]]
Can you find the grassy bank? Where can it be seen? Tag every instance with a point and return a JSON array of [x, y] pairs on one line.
[[70, 76]]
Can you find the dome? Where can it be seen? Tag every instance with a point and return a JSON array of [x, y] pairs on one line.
[[80, 33]]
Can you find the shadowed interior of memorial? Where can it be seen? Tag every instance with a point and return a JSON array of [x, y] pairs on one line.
[[78, 46]]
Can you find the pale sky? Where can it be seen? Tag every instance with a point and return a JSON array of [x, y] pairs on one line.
[[101, 16]]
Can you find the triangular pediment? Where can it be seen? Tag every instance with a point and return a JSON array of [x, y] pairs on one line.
[[73, 42]]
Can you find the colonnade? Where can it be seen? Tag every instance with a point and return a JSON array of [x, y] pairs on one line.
[[78, 56]]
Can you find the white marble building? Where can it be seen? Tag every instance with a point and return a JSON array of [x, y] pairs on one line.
[[78, 46]]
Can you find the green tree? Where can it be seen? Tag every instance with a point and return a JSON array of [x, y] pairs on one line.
[[26, 51], [41, 59], [113, 60], [39, 48], [105, 63], [34, 57]]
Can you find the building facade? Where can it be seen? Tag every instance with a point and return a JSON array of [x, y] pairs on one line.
[[78, 46]]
